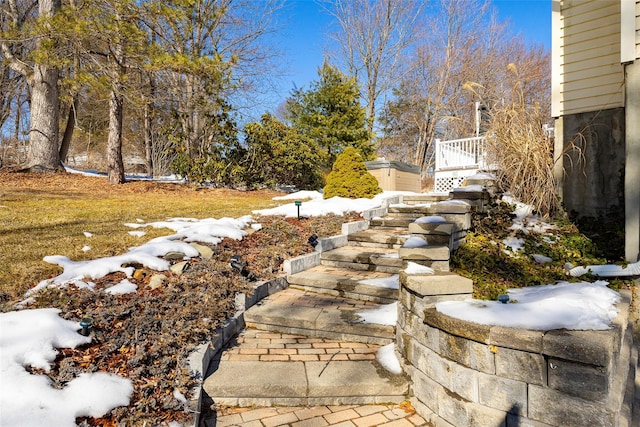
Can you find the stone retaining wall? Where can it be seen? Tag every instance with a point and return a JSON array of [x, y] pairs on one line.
[[466, 374]]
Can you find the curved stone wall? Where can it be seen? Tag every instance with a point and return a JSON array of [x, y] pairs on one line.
[[466, 374]]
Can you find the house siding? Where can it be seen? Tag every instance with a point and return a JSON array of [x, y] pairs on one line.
[[637, 29], [588, 75]]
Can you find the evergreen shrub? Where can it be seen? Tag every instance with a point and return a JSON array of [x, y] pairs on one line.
[[349, 178]]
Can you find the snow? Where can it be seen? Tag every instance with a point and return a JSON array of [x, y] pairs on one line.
[[30, 338], [514, 243], [541, 259], [137, 233], [471, 188], [391, 282], [386, 356], [607, 270], [578, 306], [415, 242], [318, 206], [124, 287], [482, 175], [86, 248], [87, 234], [415, 268], [301, 195], [435, 219], [386, 314]]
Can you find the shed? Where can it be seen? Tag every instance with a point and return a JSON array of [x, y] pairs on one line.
[[393, 175]]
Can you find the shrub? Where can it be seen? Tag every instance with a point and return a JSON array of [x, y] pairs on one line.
[[350, 178]]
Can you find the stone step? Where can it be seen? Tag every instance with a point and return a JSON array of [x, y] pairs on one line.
[[380, 288], [434, 256], [363, 259], [423, 199], [300, 312], [247, 384], [273, 369], [379, 237], [390, 221], [413, 211]]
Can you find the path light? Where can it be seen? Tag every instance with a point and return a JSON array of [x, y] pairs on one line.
[[298, 203], [86, 323], [503, 298]]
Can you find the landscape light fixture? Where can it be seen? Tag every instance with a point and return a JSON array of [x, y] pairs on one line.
[[503, 298], [86, 323], [298, 203], [313, 241]]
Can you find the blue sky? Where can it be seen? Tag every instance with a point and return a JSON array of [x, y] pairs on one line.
[[307, 27]]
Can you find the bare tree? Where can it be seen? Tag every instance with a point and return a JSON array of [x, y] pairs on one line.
[[460, 60], [374, 38]]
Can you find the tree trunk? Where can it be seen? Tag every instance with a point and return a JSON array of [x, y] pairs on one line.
[[68, 131], [114, 142], [148, 130], [43, 134]]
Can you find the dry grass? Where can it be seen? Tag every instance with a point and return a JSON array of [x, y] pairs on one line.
[[47, 214], [523, 154]]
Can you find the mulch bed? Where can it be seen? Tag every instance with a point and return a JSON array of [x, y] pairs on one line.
[[147, 335]]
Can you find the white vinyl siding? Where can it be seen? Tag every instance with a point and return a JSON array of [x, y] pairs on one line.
[[588, 75]]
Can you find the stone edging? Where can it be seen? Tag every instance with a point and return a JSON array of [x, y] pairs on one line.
[[199, 359]]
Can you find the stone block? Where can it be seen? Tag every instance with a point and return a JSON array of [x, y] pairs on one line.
[[439, 283], [502, 393], [590, 347], [577, 379], [425, 389], [328, 243], [373, 213], [441, 228], [453, 408], [434, 253], [515, 420], [455, 348], [421, 333], [560, 409], [449, 207], [483, 416], [464, 382], [520, 339], [469, 194], [435, 264], [300, 263], [354, 227], [462, 221], [481, 358], [461, 328], [521, 366]]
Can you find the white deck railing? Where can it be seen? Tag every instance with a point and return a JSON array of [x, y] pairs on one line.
[[456, 159], [465, 153]]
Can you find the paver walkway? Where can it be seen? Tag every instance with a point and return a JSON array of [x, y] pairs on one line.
[[317, 416], [253, 345], [307, 358]]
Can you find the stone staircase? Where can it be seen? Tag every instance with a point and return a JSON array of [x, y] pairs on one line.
[[319, 317]]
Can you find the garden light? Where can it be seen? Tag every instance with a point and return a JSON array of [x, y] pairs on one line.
[[298, 203], [86, 323]]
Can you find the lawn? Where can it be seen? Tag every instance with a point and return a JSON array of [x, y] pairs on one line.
[[44, 214]]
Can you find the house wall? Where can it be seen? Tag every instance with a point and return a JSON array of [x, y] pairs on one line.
[[587, 73], [596, 86]]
